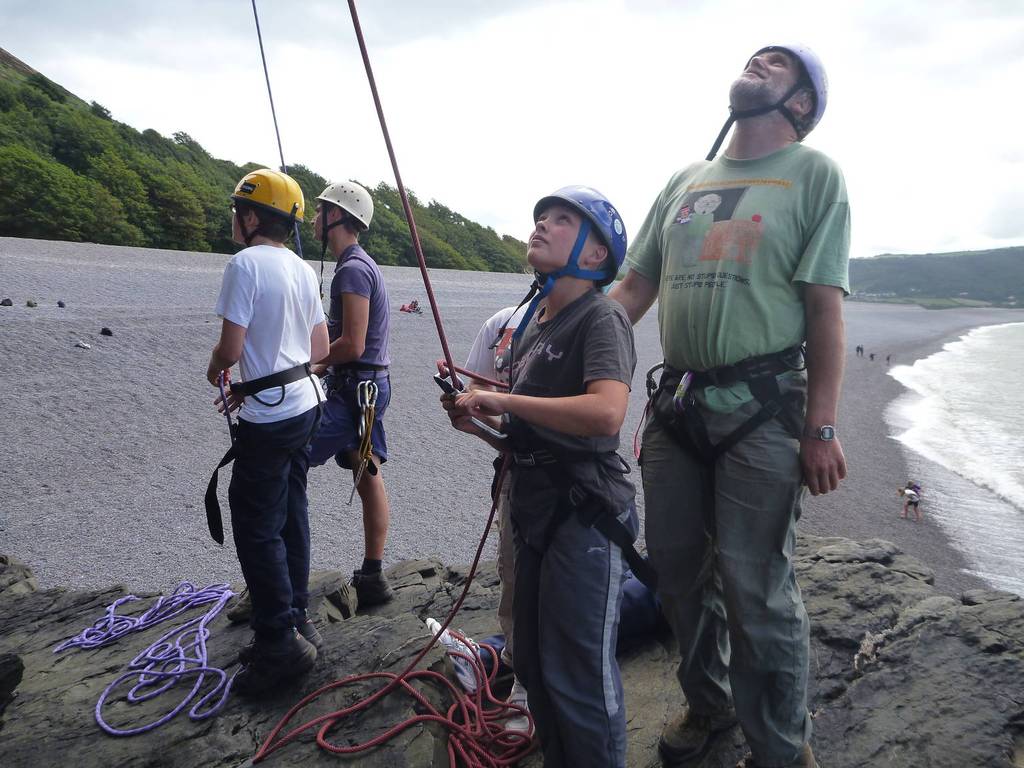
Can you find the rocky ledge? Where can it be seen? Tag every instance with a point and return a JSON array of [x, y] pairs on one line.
[[901, 675]]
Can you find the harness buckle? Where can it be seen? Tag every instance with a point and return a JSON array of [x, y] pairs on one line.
[[524, 459]]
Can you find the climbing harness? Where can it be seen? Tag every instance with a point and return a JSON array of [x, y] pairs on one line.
[[250, 388], [366, 396], [672, 400], [178, 654], [579, 496]]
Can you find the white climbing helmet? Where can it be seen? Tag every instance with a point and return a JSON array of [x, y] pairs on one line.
[[351, 198]]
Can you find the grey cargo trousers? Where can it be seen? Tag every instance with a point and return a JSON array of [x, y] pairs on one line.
[[722, 543]]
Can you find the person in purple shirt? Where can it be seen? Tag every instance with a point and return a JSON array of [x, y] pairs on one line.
[[358, 326]]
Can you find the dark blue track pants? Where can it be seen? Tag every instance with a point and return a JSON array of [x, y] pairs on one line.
[[270, 520]]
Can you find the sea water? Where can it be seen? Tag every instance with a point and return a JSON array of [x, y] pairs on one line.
[[963, 412]]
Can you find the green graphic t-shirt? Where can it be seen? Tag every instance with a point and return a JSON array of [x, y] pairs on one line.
[[730, 244]]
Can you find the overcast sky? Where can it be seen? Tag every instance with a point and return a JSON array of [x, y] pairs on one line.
[[494, 104]]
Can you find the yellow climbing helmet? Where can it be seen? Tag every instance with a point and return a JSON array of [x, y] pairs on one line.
[[275, 191]]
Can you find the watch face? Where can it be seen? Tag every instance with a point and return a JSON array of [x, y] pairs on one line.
[[827, 433]]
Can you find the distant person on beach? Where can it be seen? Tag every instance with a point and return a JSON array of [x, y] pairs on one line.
[[573, 361], [871, 357], [747, 256], [357, 373], [911, 494], [273, 325], [490, 357]]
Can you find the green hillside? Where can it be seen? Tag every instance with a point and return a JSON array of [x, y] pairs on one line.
[[70, 171], [966, 278]]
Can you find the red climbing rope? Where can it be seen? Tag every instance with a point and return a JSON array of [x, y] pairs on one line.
[[405, 198], [476, 734]]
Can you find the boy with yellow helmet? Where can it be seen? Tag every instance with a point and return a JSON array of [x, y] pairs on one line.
[[273, 326]]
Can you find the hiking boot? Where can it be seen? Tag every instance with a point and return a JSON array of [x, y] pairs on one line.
[[371, 588], [272, 663], [687, 738], [306, 628], [518, 723], [804, 760], [242, 609]]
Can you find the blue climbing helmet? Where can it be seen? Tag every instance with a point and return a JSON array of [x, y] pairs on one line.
[[599, 216], [813, 75]]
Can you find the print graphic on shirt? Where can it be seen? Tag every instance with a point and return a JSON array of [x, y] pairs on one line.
[[706, 228], [536, 351]]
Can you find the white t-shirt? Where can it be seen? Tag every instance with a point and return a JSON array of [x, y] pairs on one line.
[[274, 295], [493, 363]]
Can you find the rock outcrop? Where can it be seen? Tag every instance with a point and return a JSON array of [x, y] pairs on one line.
[[901, 675]]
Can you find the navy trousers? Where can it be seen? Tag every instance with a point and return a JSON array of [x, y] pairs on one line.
[[270, 519]]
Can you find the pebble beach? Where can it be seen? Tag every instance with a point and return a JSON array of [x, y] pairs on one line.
[[106, 451]]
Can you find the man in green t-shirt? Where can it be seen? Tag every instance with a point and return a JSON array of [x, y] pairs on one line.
[[747, 256]]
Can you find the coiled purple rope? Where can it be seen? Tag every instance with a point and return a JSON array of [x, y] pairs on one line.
[[179, 653]]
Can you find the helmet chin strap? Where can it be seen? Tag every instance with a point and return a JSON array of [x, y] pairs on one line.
[[324, 236], [572, 268], [743, 114]]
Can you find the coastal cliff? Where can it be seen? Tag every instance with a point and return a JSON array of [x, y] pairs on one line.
[[900, 674]]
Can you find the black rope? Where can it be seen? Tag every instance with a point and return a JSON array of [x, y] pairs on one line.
[[273, 114]]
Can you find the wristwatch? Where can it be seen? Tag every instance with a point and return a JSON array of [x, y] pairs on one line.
[[826, 432]]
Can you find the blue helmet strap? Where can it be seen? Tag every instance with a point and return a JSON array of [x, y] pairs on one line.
[[549, 283], [571, 268]]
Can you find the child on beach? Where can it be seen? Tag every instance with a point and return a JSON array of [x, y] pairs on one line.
[[911, 494], [572, 363], [273, 326]]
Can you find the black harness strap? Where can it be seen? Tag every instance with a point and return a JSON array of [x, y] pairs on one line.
[[280, 379], [591, 510], [214, 520], [213, 516], [759, 373]]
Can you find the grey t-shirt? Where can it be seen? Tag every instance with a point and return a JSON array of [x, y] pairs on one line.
[[357, 273], [589, 340]]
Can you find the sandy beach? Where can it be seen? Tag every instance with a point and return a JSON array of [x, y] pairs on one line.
[[107, 451]]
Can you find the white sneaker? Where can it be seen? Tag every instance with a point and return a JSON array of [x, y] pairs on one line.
[[518, 723]]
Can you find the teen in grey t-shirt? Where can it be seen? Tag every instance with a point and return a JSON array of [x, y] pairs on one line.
[[572, 365]]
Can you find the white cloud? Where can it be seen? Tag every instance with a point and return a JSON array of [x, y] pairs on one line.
[[491, 106]]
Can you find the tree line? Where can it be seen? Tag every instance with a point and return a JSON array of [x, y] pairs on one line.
[[71, 172], [994, 277]]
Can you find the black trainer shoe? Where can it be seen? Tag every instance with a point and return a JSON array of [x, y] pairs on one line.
[[307, 629], [371, 588], [273, 663], [687, 738]]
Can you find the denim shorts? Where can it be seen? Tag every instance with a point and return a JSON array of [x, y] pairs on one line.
[[339, 428]]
